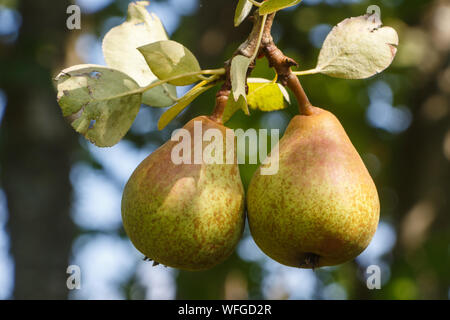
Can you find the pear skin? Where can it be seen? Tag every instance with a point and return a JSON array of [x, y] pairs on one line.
[[186, 216], [322, 207]]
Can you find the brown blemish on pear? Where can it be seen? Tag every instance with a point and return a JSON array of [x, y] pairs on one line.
[[322, 207], [187, 216]]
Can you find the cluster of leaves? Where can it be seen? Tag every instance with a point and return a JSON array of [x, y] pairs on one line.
[[144, 67]]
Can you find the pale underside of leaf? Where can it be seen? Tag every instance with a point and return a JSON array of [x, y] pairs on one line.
[[120, 50], [242, 11], [358, 48], [171, 113], [266, 95], [239, 68], [168, 59], [101, 103], [270, 6]]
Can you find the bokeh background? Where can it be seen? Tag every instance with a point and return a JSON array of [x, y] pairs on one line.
[[60, 196]]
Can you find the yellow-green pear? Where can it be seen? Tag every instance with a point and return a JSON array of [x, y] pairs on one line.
[[321, 208], [187, 215]]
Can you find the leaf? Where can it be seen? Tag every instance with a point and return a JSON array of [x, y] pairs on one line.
[[263, 94], [270, 6], [98, 102], [169, 59], [239, 68], [233, 106], [266, 95], [358, 48], [242, 11], [171, 113], [120, 50]]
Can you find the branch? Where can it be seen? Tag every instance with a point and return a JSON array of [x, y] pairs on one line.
[[258, 45], [282, 65], [248, 49]]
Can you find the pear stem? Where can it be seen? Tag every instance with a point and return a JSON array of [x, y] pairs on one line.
[[221, 103], [304, 105]]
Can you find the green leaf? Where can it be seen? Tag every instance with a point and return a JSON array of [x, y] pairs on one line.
[[169, 59], [120, 50], [171, 113], [266, 95], [233, 106], [239, 68], [98, 102], [242, 11], [263, 94], [358, 48], [270, 6]]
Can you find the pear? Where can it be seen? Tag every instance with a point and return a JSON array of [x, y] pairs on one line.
[[321, 208], [186, 215]]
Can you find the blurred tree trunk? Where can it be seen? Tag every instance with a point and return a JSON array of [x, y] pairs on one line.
[[35, 154]]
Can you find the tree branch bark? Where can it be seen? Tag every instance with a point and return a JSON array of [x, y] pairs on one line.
[[246, 49], [277, 60], [282, 65]]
